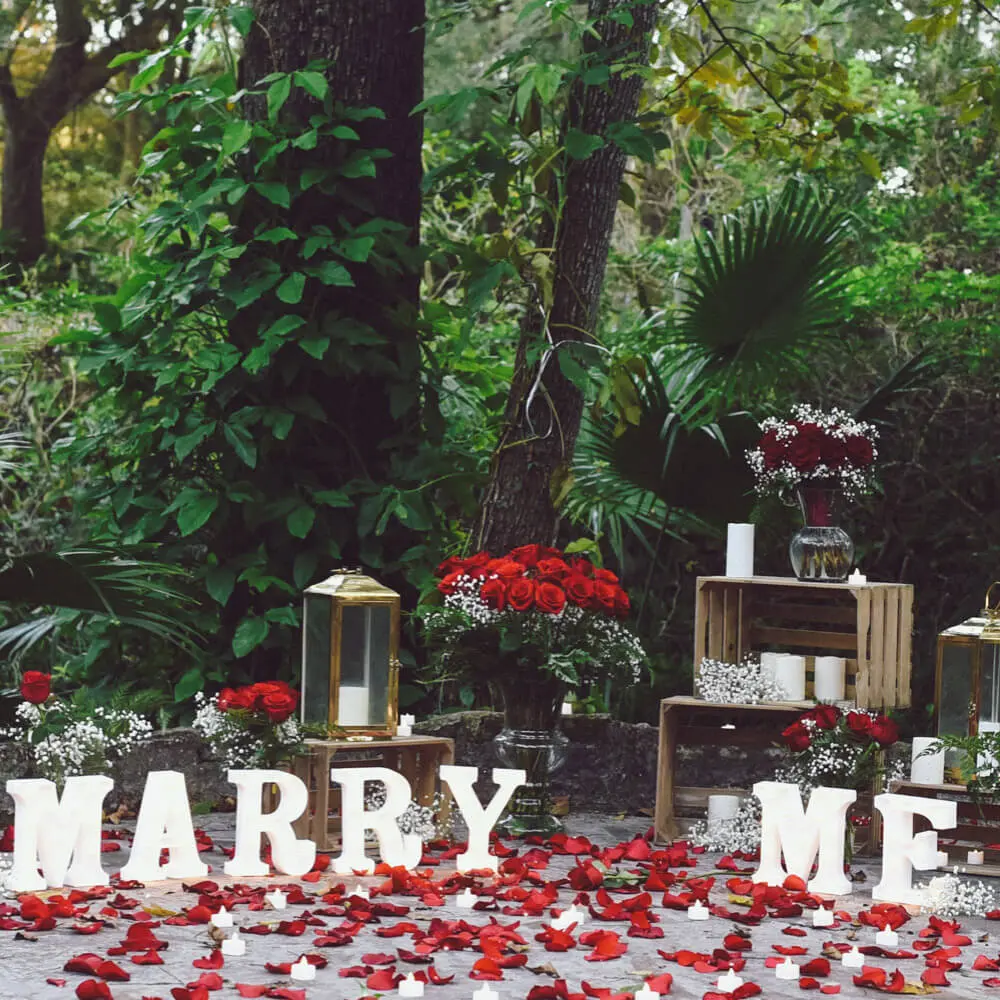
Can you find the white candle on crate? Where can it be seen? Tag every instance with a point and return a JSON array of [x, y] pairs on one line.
[[857, 578], [769, 664], [926, 770], [790, 673], [830, 678], [739, 550], [353, 705], [721, 808], [976, 858]]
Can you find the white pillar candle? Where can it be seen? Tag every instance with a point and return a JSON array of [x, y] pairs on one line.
[[787, 970], [302, 971], [790, 673], [769, 665], [698, 911], [466, 900], [729, 982], [942, 859], [852, 959], [646, 994], [485, 993], [411, 987], [568, 918], [830, 677], [823, 917], [354, 705], [887, 937], [234, 946], [739, 550], [721, 808], [222, 919], [926, 770], [567, 708], [976, 857], [277, 900]]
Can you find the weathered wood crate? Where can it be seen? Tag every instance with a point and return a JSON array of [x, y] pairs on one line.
[[870, 625], [417, 758]]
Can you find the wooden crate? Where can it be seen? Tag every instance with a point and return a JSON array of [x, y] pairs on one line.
[[417, 758], [871, 625]]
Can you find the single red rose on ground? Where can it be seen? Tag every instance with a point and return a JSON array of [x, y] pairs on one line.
[[797, 737], [280, 705], [35, 686], [494, 594], [549, 597], [521, 594], [884, 731], [859, 723]]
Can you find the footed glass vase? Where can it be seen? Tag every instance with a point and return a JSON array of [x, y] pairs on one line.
[[530, 740], [820, 550]]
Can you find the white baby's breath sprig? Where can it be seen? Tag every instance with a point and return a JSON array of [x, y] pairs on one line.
[[949, 896], [736, 683]]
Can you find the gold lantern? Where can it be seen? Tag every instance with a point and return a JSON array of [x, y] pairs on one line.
[[350, 645], [967, 687]]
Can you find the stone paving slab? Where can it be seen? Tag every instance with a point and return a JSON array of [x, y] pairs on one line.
[[25, 964]]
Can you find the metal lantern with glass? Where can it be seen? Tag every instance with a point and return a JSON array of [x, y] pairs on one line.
[[967, 693], [350, 642]]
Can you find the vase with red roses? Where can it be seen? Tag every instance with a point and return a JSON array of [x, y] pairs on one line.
[[823, 457], [531, 625]]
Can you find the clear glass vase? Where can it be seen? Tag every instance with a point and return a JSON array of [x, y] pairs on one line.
[[531, 741], [821, 550]]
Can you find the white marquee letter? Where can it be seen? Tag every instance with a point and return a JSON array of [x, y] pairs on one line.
[[801, 834], [479, 821], [53, 831], [902, 851], [290, 855], [164, 821], [396, 848]]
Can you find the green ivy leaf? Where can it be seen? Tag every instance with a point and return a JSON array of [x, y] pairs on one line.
[[313, 83], [250, 633], [219, 582], [196, 511], [291, 289], [300, 521], [332, 273], [277, 94], [243, 443]]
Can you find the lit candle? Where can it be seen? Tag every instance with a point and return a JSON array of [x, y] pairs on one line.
[[887, 937], [823, 917], [942, 859], [411, 987], [729, 982], [857, 578], [790, 674], [697, 911], [567, 708], [222, 919], [787, 970], [234, 946], [466, 900], [303, 971], [646, 994], [353, 706], [926, 769], [568, 918], [277, 900], [852, 959], [739, 550], [485, 993], [406, 723], [830, 678], [976, 857]]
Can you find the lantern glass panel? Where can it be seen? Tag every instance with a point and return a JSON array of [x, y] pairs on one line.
[[364, 664], [989, 700], [956, 688], [317, 624]]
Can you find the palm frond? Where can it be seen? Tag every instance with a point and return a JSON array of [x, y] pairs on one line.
[[908, 377]]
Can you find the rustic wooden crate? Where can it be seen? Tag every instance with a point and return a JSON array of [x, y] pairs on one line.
[[417, 758], [871, 625]]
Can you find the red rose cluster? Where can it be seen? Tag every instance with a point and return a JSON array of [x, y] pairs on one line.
[[36, 686], [536, 577], [861, 726], [812, 445], [275, 699]]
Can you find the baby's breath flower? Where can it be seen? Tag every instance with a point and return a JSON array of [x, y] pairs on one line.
[[736, 683]]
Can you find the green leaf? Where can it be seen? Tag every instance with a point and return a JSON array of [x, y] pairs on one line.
[[241, 18], [243, 443], [235, 136], [332, 273], [190, 684], [187, 443], [274, 192], [359, 165], [870, 164], [219, 582], [250, 633], [315, 346], [580, 145], [291, 289], [333, 498], [300, 521], [277, 235], [283, 326], [196, 511], [304, 568], [277, 94], [312, 82]]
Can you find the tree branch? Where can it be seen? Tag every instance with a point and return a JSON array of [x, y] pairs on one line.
[[9, 100]]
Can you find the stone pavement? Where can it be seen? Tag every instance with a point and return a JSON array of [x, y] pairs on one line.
[[28, 960]]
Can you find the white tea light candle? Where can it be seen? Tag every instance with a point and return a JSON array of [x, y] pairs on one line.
[[698, 911], [303, 971], [567, 708], [976, 858], [929, 769], [485, 993], [222, 919], [277, 900], [790, 673], [852, 959], [887, 938], [823, 917], [568, 918], [406, 724], [787, 970], [739, 550], [466, 900], [857, 578], [646, 994], [411, 987], [729, 982], [234, 946], [830, 678]]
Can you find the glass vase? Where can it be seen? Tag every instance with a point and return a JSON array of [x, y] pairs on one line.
[[821, 550], [531, 741]]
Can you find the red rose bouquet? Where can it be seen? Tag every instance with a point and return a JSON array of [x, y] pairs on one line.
[[837, 749], [536, 606], [251, 726], [815, 448]]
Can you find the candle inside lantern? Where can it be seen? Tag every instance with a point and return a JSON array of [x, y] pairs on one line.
[[976, 858], [823, 917], [567, 708], [887, 937], [303, 971], [353, 705], [830, 678], [926, 769], [852, 959], [729, 982], [787, 970], [790, 674], [234, 946], [466, 900], [722, 808], [698, 911], [411, 987], [222, 919], [739, 550], [277, 900], [568, 918]]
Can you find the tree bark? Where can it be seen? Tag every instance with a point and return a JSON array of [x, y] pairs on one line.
[[21, 206], [542, 418]]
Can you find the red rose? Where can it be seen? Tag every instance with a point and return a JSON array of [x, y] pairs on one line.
[[35, 686], [825, 716], [797, 737], [859, 450], [242, 698], [552, 569], [259, 691], [449, 584], [606, 575], [549, 597], [859, 723], [453, 564], [834, 451], [520, 594], [279, 705], [622, 604], [604, 596], [805, 450], [772, 448], [582, 566], [885, 732], [493, 594], [225, 699], [506, 569], [579, 589]]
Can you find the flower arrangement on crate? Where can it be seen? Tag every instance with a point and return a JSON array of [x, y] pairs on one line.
[[814, 447], [736, 683], [72, 736], [251, 726]]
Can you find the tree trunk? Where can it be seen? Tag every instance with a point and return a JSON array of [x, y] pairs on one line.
[[543, 413], [21, 206]]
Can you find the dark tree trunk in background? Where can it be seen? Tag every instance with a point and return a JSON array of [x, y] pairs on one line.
[[534, 450], [21, 208]]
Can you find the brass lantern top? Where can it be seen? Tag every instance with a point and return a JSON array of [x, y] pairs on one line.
[[984, 627], [991, 614], [353, 585]]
